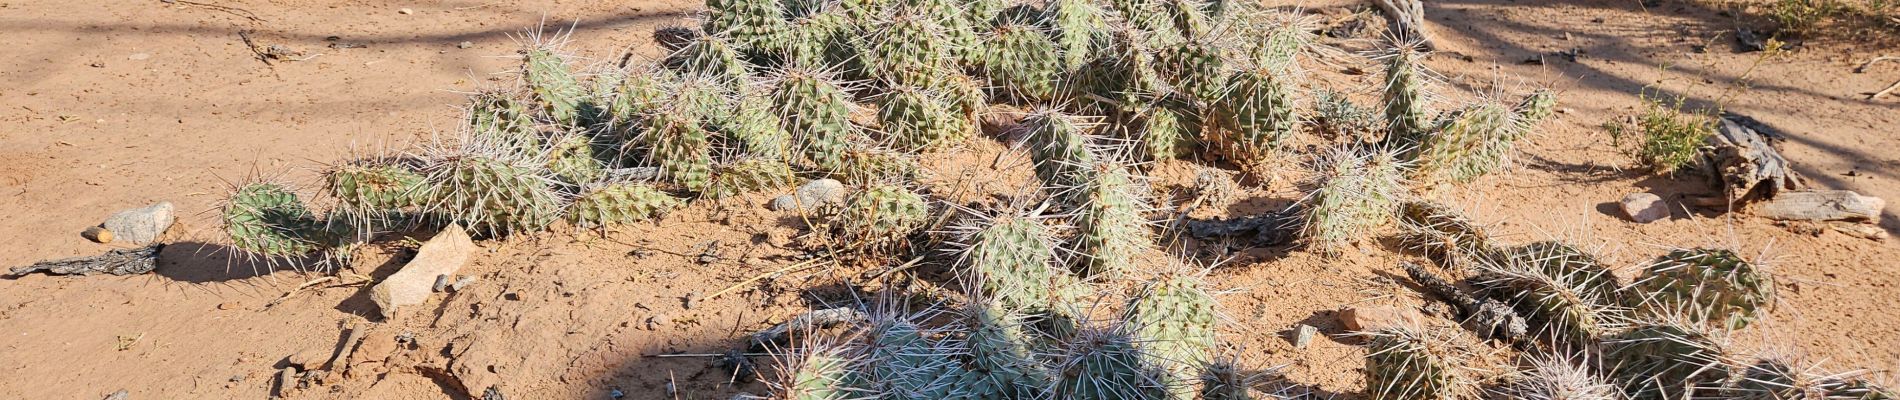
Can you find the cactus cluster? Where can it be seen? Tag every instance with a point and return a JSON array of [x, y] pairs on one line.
[[1174, 319], [1111, 228], [881, 216]]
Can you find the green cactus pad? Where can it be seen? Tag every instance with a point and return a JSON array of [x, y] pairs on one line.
[[268, 220], [1715, 286], [617, 203], [1111, 231]]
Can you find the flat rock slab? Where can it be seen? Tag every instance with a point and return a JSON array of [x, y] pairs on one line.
[[140, 225], [1821, 205], [441, 255]]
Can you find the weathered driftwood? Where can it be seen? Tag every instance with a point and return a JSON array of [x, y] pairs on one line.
[[1489, 318], [132, 261], [1821, 205], [816, 319], [1408, 20], [1742, 159]]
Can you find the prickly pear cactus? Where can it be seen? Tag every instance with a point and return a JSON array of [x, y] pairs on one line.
[[1284, 41], [1197, 68], [817, 113], [709, 55], [1106, 364], [1339, 117], [1007, 258], [1444, 235], [1557, 378], [1002, 363], [1256, 114], [681, 148], [571, 158], [1189, 17], [501, 117], [1470, 143], [1111, 231], [492, 193], [882, 216], [1077, 26], [268, 220], [1665, 360], [375, 187], [1774, 378], [553, 82], [1570, 265], [815, 38], [1567, 310], [1406, 117], [821, 372], [1360, 192], [1121, 78], [605, 204], [1174, 319], [919, 120], [1023, 63], [1416, 364], [1715, 286], [907, 49], [872, 165], [908, 363], [1058, 144], [755, 127], [1533, 110], [1223, 380], [747, 176], [756, 25]]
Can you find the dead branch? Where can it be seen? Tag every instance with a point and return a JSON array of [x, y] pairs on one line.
[[117, 262], [1489, 318]]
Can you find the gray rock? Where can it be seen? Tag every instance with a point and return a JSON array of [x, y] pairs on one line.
[[140, 225], [811, 195], [1303, 334], [1644, 207]]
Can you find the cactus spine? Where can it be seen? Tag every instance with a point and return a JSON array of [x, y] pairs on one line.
[[821, 372], [752, 24], [681, 148], [1564, 308], [752, 123], [617, 203], [908, 365], [909, 49], [375, 187], [1076, 24], [1443, 234], [1196, 67], [1555, 378], [710, 55], [1470, 143], [1715, 286], [571, 158]]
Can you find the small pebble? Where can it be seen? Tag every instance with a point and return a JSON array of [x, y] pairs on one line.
[[138, 56], [441, 283], [140, 225], [228, 306], [462, 283], [464, 44], [119, 395], [405, 11], [655, 322]]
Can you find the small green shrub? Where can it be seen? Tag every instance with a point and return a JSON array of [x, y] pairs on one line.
[[1803, 16], [1671, 135]]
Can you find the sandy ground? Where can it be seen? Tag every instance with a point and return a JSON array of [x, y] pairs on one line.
[[111, 105]]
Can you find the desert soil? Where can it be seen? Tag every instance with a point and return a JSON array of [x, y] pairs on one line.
[[106, 105]]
